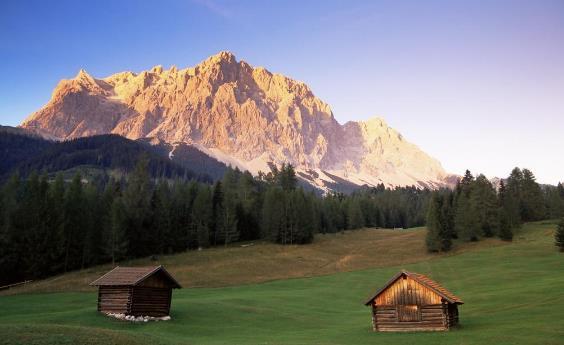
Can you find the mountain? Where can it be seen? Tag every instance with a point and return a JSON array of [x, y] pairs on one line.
[[241, 115]]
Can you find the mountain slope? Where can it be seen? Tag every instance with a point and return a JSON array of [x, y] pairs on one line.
[[24, 153], [243, 116]]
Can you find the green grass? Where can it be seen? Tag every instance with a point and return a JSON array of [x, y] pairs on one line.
[[513, 294]]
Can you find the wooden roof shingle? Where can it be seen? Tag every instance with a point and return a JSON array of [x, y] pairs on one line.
[[423, 280], [131, 276]]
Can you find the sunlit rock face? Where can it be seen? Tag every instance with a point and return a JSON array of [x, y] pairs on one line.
[[242, 115]]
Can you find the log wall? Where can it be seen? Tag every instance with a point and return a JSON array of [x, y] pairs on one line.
[[386, 318], [150, 301], [114, 299]]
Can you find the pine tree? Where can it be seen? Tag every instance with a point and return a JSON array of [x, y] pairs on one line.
[[287, 177], [161, 205], [92, 246], [434, 226], [273, 215], [355, 218], [532, 199], [56, 199], [448, 216], [11, 242], [248, 214], [136, 202], [116, 241], [465, 220], [485, 203], [513, 197], [505, 231], [74, 223], [300, 218], [559, 236], [229, 231], [202, 214], [217, 211]]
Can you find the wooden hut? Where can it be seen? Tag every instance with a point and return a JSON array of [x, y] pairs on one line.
[[413, 302], [138, 291]]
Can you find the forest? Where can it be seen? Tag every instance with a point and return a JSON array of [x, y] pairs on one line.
[[476, 209], [50, 225]]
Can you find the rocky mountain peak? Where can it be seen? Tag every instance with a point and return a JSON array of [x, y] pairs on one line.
[[242, 115]]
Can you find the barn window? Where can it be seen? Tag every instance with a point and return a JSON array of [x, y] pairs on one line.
[[409, 313]]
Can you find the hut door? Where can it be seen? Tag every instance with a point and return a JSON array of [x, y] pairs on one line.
[[409, 313]]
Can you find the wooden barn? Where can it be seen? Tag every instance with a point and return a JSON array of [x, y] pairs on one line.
[[138, 291], [413, 302]]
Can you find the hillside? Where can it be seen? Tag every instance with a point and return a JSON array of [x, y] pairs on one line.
[[511, 294], [237, 264], [25, 153], [242, 115]]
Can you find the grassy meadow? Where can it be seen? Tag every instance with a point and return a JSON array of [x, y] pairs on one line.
[[267, 294]]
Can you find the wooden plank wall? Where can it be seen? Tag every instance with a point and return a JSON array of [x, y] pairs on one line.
[[407, 291], [149, 301], [114, 299], [386, 319]]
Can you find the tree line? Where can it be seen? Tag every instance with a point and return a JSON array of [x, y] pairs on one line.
[[475, 209], [52, 225]]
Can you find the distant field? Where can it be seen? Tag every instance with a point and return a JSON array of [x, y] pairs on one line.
[[262, 262], [514, 294]]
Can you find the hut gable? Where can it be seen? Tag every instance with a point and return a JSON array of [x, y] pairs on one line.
[[413, 302], [417, 287], [139, 291]]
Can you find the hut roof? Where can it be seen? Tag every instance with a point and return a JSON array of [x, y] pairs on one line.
[[423, 280], [131, 276]]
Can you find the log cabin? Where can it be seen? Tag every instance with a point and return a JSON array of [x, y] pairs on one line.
[[413, 302], [137, 291]]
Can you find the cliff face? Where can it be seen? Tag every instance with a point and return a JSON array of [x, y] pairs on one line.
[[241, 115]]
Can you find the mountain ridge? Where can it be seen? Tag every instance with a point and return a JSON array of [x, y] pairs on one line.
[[241, 115]]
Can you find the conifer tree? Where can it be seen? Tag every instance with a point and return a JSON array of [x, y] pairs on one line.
[[505, 231], [136, 202], [229, 230], [116, 240], [465, 219], [10, 238], [532, 199], [448, 216], [202, 214], [513, 197], [161, 205], [434, 226], [217, 211], [56, 199], [74, 223], [92, 246], [287, 177], [300, 218], [485, 203], [559, 236], [355, 218], [248, 214], [273, 215]]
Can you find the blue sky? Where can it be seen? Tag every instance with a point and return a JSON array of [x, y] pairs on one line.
[[476, 84]]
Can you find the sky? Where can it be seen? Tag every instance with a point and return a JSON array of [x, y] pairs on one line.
[[477, 84]]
